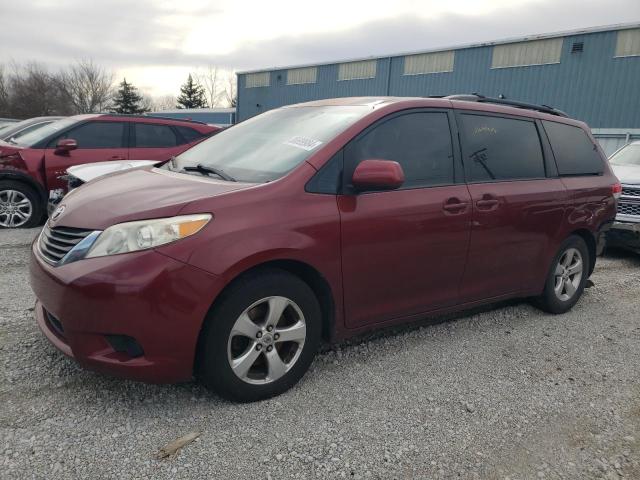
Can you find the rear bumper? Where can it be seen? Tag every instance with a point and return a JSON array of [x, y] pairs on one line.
[[156, 300], [624, 234]]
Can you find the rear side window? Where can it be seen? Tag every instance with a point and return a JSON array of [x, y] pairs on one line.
[[154, 136], [420, 142], [189, 134], [98, 135], [497, 148], [574, 151]]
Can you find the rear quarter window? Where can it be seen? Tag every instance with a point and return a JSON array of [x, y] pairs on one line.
[[500, 149], [574, 151], [189, 134]]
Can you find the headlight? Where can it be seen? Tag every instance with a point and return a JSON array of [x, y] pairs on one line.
[[144, 234]]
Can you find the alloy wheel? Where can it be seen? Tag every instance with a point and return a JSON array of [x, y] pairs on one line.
[[15, 208], [568, 274], [266, 340]]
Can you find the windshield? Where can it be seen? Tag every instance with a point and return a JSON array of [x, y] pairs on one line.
[[629, 155], [266, 147], [33, 137]]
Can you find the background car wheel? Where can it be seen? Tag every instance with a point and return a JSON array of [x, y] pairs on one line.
[[567, 277], [260, 337], [20, 205]]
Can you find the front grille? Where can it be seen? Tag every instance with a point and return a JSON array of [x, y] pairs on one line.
[[628, 208], [630, 192], [56, 242]]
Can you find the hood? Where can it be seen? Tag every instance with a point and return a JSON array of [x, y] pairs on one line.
[[8, 148], [136, 195], [91, 171], [627, 174]]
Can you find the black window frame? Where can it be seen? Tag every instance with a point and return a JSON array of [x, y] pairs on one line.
[[51, 142], [132, 134], [349, 168], [548, 161]]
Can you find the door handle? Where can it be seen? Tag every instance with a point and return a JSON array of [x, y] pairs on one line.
[[487, 204], [117, 157], [453, 205]]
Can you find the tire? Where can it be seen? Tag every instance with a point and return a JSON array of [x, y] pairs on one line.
[[563, 289], [236, 331], [20, 205]]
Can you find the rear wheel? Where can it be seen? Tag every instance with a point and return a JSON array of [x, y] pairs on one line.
[[20, 205], [261, 337], [567, 277]]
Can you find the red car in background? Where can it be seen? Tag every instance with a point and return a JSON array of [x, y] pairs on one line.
[[32, 165]]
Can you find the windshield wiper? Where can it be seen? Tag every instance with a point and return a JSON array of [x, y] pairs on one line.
[[206, 170]]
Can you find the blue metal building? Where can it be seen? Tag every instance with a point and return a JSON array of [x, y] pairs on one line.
[[221, 117], [592, 74]]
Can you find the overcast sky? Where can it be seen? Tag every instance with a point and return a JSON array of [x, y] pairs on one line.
[[155, 43]]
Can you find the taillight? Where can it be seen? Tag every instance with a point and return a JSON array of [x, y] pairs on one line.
[[616, 189]]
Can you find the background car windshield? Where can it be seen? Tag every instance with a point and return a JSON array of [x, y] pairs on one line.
[[268, 146], [31, 138], [630, 155]]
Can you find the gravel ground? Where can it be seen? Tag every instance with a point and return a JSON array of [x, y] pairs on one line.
[[503, 393]]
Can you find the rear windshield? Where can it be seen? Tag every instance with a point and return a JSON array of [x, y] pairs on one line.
[[629, 155], [574, 151], [266, 147]]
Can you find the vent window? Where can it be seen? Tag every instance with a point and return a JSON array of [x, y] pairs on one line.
[[357, 70], [577, 47], [535, 52], [297, 76], [628, 43], [436, 62], [261, 79]]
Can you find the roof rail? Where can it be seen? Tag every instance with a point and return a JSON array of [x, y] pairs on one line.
[[475, 97], [135, 115]]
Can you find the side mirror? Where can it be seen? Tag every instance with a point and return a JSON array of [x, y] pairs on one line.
[[377, 175], [66, 145]]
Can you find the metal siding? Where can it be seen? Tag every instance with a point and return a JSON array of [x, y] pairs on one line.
[[593, 85]]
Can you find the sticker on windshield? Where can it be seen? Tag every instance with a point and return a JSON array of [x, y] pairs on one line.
[[304, 143]]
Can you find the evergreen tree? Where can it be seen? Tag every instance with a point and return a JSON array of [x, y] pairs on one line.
[[127, 99], [192, 95]]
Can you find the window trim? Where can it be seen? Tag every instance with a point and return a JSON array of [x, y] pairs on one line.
[[125, 139], [458, 172], [543, 151], [133, 137]]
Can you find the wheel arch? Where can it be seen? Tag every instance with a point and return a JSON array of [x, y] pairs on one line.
[[304, 271], [592, 245], [27, 180]]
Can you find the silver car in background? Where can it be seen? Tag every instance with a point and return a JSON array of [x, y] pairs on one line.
[[625, 232], [17, 129]]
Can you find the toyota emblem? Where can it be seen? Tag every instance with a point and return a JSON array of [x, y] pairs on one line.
[[57, 212]]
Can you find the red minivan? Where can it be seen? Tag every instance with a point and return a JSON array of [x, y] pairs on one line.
[[32, 164], [316, 222]]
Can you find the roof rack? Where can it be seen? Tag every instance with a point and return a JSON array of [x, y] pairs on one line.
[[475, 97], [134, 115]]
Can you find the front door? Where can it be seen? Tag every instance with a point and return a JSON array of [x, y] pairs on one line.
[[404, 251], [98, 141]]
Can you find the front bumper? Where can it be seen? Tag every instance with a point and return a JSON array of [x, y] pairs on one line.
[[624, 234], [147, 296]]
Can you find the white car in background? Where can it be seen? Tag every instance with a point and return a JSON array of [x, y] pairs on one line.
[[625, 232]]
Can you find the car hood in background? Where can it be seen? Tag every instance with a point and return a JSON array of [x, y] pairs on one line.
[[90, 171], [627, 174], [136, 195]]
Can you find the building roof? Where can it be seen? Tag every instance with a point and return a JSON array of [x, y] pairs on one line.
[[565, 33]]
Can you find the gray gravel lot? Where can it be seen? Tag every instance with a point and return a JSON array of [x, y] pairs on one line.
[[505, 393]]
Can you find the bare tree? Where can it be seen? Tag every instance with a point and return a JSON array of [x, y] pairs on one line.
[[87, 86], [33, 91], [4, 93], [210, 79], [231, 89], [164, 102]]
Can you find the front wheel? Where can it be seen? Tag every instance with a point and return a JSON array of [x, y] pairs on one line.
[[567, 277], [20, 205], [261, 337]]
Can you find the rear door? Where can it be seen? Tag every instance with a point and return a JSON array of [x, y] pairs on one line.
[[518, 203], [98, 141], [154, 141], [404, 251]]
